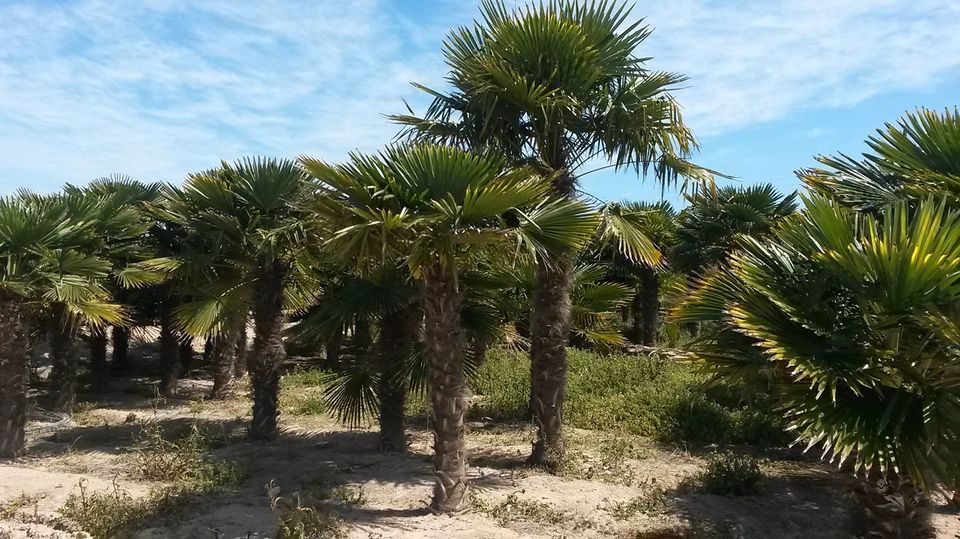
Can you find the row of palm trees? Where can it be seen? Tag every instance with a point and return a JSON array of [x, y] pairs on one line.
[[394, 256]]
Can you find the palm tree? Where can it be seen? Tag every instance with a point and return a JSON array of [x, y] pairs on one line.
[[369, 383], [657, 222], [554, 85], [913, 159], [42, 268], [119, 233], [252, 229], [438, 208], [707, 230], [855, 314], [105, 223]]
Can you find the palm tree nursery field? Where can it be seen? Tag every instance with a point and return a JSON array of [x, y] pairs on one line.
[[449, 337]]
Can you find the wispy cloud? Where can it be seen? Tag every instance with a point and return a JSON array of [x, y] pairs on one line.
[[158, 88], [753, 61]]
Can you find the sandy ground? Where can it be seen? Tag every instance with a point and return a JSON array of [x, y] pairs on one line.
[[798, 498]]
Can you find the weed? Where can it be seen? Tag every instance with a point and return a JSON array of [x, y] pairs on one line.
[[515, 509], [197, 407], [104, 515], [730, 474], [12, 509], [184, 461], [346, 494], [605, 467], [303, 517], [82, 414], [651, 501]]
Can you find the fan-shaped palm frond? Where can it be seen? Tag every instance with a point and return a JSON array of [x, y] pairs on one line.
[[918, 156], [855, 314]]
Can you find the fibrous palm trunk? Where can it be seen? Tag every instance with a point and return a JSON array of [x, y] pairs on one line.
[[13, 378], [224, 360], [169, 352], [207, 356], [892, 506], [98, 357], [332, 349], [650, 306], [550, 330], [399, 330], [63, 375], [240, 355], [441, 307], [268, 352], [550, 327], [121, 347], [187, 355]]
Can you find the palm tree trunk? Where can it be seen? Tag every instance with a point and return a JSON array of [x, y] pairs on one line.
[[98, 357], [207, 356], [13, 378], [550, 330], [63, 375], [333, 346], [240, 355], [186, 355], [650, 290], [224, 360], [169, 357], [398, 335], [121, 347], [636, 317], [441, 305], [268, 351]]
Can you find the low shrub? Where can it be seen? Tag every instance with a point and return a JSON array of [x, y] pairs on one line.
[[730, 474], [644, 395]]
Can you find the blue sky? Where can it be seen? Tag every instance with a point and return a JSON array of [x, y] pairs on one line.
[[159, 88]]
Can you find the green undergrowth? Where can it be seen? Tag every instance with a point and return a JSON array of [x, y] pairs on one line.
[[633, 394]]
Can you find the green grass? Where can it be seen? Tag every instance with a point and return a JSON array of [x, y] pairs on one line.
[[301, 393], [632, 394]]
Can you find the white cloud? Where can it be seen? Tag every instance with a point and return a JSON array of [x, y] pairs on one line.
[[157, 89], [753, 61], [161, 87]]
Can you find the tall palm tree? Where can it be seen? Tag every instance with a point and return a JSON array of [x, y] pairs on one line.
[[248, 214], [42, 266], [438, 208], [555, 85], [855, 312]]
